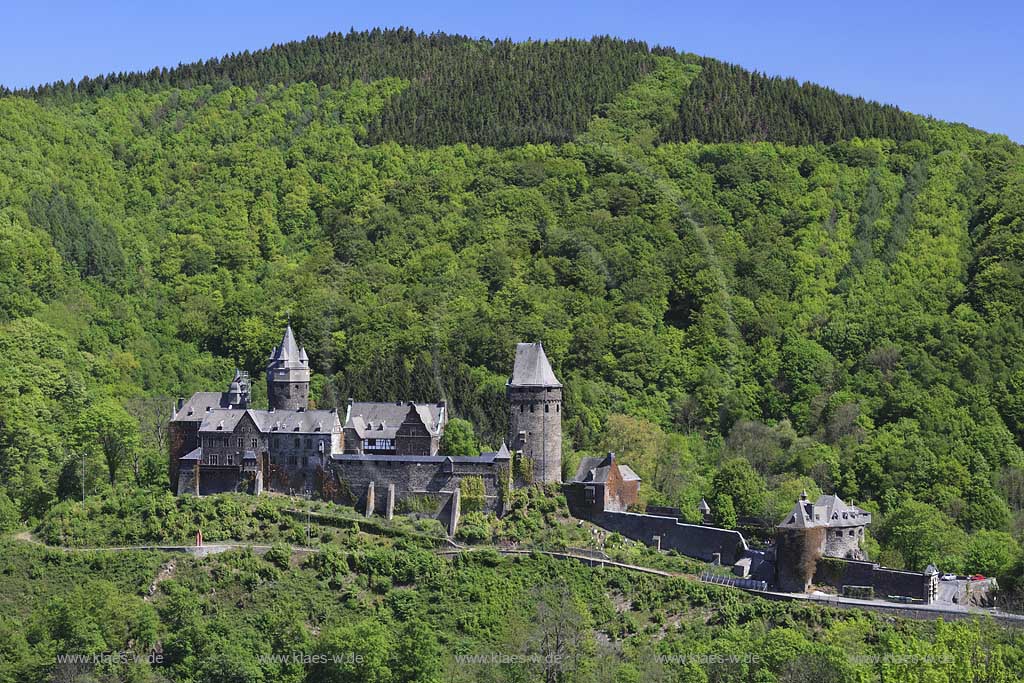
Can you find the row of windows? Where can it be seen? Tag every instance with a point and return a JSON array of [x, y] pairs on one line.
[[378, 444], [227, 442], [291, 461], [298, 442], [254, 444], [838, 533], [547, 407], [218, 458]]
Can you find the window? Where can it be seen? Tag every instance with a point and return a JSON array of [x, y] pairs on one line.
[[309, 443], [851, 532], [230, 459], [255, 443], [298, 442], [531, 407], [293, 460], [547, 408]]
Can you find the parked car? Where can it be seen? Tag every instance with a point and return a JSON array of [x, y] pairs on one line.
[[948, 577], [977, 577]]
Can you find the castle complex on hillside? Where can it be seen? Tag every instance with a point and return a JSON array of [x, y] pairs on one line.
[[387, 457], [219, 442]]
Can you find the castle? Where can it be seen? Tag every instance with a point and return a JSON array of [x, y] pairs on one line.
[[219, 442]]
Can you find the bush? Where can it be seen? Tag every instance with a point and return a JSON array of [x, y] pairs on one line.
[[279, 555]]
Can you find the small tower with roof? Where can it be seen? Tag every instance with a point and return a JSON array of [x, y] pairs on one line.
[[535, 419], [239, 392], [288, 375]]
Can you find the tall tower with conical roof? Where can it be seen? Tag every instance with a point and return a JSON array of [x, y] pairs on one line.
[[288, 375], [535, 404]]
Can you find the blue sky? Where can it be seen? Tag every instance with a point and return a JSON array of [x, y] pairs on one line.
[[956, 61]]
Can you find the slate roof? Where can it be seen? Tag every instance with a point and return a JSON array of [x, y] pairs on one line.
[[288, 354], [380, 420], [596, 470], [273, 422], [828, 511], [531, 368], [195, 409], [194, 454]]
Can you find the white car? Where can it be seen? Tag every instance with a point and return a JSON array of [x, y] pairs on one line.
[[949, 577]]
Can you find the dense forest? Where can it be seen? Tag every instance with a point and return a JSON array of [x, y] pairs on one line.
[[750, 287], [503, 94]]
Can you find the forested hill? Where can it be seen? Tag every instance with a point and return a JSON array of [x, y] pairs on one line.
[[501, 93], [739, 319]]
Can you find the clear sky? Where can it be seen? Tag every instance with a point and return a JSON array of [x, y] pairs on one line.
[[960, 61]]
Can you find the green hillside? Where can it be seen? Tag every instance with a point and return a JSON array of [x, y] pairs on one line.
[[749, 286]]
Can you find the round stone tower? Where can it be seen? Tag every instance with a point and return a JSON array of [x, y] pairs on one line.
[[535, 420], [288, 375]]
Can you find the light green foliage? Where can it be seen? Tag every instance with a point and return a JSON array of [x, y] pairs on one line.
[[923, 535], [991, 553], [471, 494], [737, 319], [459, 438]]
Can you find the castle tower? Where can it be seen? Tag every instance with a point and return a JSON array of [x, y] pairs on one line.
[[535, 418], [239, 393], [288, 375]]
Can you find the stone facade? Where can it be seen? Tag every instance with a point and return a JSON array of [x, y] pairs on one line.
[[602, 484], [535, 417], [220, 443], [884, 582], [428, 478], [827, 527], [288, 375], [398, 428]]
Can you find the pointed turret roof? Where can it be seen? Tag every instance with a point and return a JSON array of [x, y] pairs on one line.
[[532, 368], [288, 354], [289, 349]]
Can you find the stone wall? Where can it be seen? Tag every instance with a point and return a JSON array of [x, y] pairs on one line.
[[831, 571], [286, 395], [535, 428], [700, 542], [218, 480], [618, 493], [183, 439], [425, 477], [845, 542], [797, 553]]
